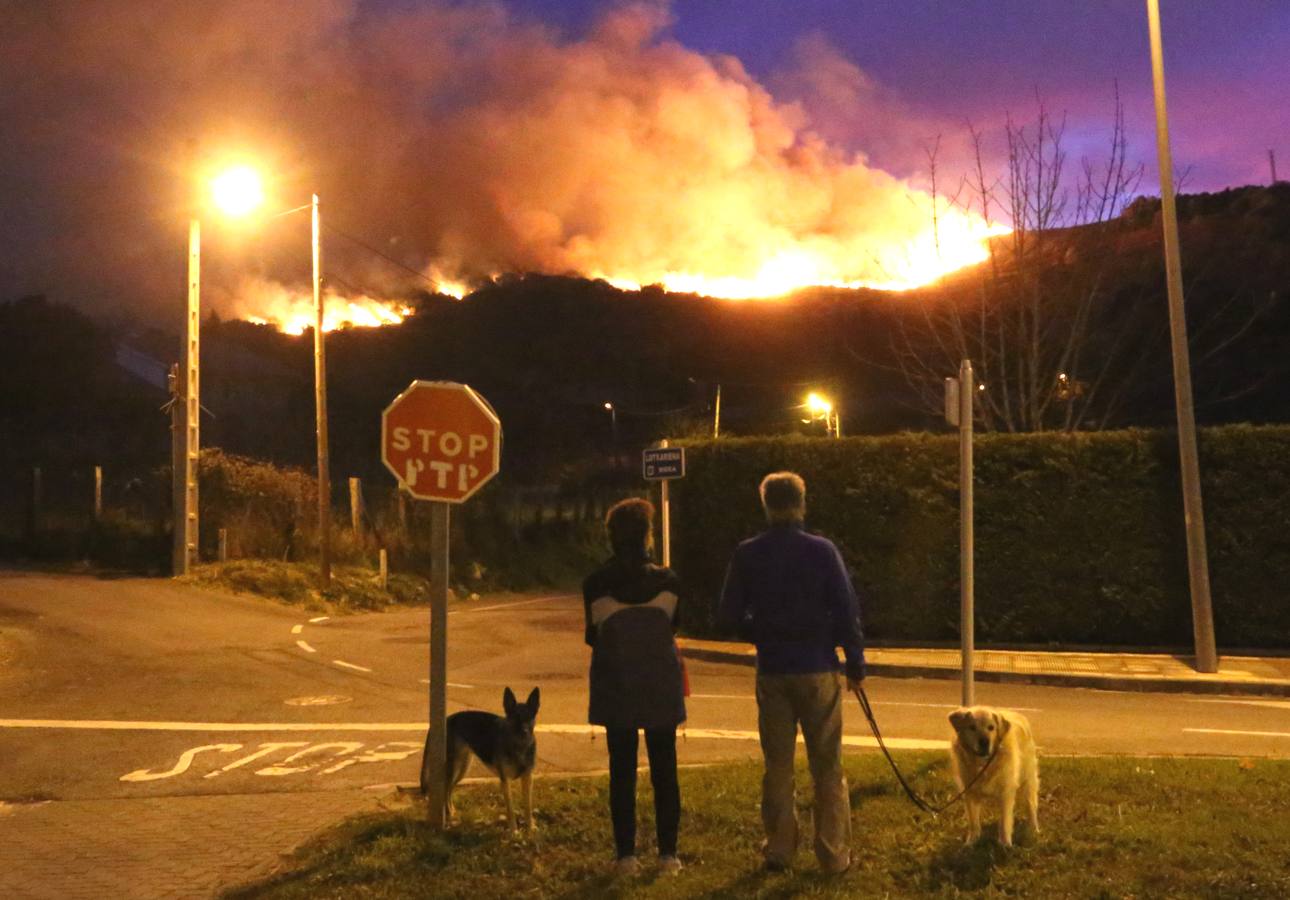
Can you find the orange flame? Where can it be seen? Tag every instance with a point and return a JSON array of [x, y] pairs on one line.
[[292, 311]]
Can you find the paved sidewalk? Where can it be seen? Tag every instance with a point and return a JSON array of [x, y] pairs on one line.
[[1266, 675], [159, 847]]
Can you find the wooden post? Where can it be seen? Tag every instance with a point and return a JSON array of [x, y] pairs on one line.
[[403, 510], [436, 744], [223, 545], [385, 570], [37, 500], [98, 494], [356, 506]]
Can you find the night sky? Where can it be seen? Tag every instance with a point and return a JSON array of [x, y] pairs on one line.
[[469, 138], [940, 63]]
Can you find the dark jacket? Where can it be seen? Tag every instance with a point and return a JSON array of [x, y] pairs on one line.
[[789, 593], [632, 607]]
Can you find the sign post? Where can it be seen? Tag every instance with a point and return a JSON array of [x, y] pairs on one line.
[[443, 442], [959, 395], [663, 463]]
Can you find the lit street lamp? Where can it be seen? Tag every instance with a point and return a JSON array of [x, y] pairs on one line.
[[821, 407], [235, 192], [613, 427]]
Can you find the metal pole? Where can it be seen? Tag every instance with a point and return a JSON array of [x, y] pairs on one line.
[[666, 519], [716, 416], [178, 441], [967, 574], [436, 744], [188, 446], [320, 403], [1202, 612]]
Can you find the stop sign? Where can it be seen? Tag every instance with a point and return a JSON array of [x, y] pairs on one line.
[[441, 440]]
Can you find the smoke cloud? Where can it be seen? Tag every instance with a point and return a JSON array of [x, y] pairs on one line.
[[457, 139]]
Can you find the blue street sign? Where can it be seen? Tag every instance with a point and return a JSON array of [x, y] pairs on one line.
[[663, 463]]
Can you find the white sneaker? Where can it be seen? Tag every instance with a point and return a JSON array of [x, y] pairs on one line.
[[626, 867], [669, 865]]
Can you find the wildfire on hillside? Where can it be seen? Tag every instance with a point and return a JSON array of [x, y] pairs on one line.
[[292, 311]]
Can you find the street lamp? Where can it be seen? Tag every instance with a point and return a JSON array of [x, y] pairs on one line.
[[821, 407], [1193, 510], [235, 192], [613, 427]]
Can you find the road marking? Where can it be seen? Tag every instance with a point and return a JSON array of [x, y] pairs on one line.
[[1274, 704], [296, 629], [877, 704], [185, 760], [316, 619], [1284, 734], [305, 647], [113, 725], [341, 662], [730, 734], [453, 612], [265, 750]]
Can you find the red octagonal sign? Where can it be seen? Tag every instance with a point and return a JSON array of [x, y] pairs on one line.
[[441, 440]]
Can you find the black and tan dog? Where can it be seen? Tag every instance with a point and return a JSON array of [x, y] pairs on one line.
[[505, 744]]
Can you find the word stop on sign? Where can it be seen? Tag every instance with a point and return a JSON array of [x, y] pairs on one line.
[[441, 440], [448, 456]]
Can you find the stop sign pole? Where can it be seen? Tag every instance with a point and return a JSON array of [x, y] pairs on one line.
[[442, 441]]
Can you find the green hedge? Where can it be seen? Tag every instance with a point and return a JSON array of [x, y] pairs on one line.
[[1079, 537]]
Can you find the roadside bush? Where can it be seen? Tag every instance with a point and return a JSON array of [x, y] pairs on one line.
[[267, 509], [1079, 537]]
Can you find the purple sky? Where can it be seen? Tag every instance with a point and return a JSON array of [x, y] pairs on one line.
[[1226, 64]]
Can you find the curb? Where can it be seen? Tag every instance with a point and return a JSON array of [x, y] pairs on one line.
[[1049, 679]]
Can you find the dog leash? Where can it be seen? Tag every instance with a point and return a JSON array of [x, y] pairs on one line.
[[918, 801]]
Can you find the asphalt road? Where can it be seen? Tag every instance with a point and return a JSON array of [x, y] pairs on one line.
[[138, 688]]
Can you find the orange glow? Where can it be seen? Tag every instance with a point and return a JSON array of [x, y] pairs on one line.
[[237, 191], [292, 311]]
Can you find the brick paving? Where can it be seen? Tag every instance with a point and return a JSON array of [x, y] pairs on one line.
[[159, 847]]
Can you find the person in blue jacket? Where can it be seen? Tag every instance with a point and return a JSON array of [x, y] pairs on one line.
[[789, 593]]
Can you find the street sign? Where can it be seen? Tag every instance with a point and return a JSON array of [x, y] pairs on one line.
[[663, 463], [441, 440]]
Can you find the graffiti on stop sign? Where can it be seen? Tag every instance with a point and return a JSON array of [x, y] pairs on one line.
[[444, 472]]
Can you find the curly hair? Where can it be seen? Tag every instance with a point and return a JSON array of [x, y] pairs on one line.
[[630, 524]]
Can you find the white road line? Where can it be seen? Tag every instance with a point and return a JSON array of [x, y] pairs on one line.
[[453, 612], [316, 619], [877, 705], [341, 662], [1284, 734], [730, 734], [296, 629], [303, 645], [1274, 704], [235, 727], [112, 725]]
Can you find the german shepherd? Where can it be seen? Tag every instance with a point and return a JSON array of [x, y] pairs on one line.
[[505, 744]]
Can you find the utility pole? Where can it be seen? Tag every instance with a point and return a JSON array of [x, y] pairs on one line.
[[320, 403], [1272, 164], [967, 538], [1193, 511], [187, 391]]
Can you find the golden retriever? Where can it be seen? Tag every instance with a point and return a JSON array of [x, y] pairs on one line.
[[982, 733]]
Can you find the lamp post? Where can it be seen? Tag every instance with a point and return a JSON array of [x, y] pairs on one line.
[[821, 407], [235, 192], [613, 428], [1202, 611]]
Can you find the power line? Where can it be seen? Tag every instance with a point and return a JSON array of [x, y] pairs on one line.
[[390, 259]]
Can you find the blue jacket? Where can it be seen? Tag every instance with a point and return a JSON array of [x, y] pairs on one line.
[[789, 593]]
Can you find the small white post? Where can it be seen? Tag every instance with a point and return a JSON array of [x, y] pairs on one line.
[[223, 545], [98, 494], [385, 570]]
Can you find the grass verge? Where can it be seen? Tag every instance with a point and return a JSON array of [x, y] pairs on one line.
[[1113, 828], [352, 587]]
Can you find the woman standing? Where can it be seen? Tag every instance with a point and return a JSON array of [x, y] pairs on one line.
[[632, 608]]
